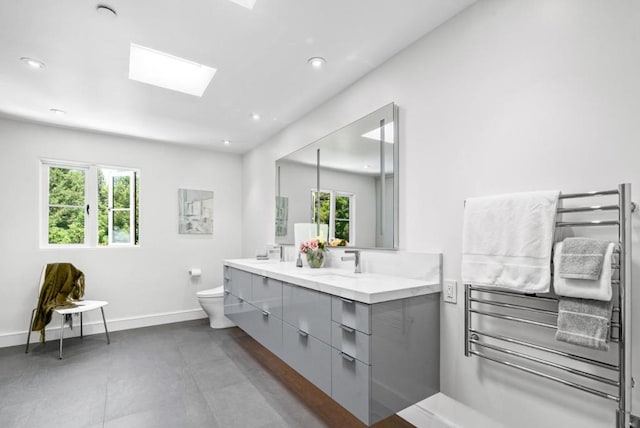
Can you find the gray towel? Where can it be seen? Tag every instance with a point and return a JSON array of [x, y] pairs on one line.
[[584, 322], [582, 258]]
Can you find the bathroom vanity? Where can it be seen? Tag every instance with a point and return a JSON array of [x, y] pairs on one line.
[[370, 341]]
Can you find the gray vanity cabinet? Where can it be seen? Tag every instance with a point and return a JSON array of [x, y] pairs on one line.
[[266, 294], [372, 359], [255, 305], [351, 384], [238, 283], [236, 309], [351, 314], [308, 311], [308, 355], [352, 342], [265, 328]]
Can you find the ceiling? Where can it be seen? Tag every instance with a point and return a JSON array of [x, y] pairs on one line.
[[260, 56]]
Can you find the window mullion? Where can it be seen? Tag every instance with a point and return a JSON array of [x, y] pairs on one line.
[[110, 209], [132, 204], [91, 201], [332, 214]]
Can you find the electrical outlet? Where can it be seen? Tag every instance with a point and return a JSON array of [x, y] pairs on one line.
[[450, 291]]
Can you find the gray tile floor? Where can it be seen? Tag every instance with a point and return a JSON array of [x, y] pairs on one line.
[[175, 375]]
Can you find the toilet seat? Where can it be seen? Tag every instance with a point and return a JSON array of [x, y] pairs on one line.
[[210, 293]]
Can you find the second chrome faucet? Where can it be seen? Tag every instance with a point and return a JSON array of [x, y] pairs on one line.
[[355, 258]]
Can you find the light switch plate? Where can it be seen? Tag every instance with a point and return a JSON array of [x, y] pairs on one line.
[[450, 291]]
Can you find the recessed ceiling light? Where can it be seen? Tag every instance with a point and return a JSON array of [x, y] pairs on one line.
[[33, 63], [374, 134], [255, 116], [316, 62], [226, 142], [58, 112], [167, 71], [106, 11], [245, 3]]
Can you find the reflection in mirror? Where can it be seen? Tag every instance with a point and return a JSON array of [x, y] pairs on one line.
[[346, 181]]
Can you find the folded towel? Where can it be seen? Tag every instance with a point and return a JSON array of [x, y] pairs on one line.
[[507, 240], [583, 288], [581, 258], [584, 322]]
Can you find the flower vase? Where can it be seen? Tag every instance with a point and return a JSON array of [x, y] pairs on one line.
[[315, 258]]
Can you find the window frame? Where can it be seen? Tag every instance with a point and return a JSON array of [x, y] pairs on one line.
[[122, 172], [332, 211], [91, 204]]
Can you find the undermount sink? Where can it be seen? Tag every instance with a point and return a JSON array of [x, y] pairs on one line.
[[263, 261], [337, 275]]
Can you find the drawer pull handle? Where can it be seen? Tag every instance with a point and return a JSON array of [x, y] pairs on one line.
[[346, 300], [347, 357], [226, 292], [264, 278], [265, 313], [303, 333], [240, 299], [347, 329]]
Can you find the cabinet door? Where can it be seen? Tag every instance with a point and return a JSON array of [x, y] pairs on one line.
[[308, 311], [266, 295], [352, 314], [308, 356], [350, 384], [238, 283], [265, 328], [351, 341], [237, 310]]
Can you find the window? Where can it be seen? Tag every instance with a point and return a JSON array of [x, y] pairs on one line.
[[66, 205], [117, 207], [72, 194], [336, 210]]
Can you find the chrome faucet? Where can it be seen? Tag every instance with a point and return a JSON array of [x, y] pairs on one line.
[[355, 257], [279, 248]]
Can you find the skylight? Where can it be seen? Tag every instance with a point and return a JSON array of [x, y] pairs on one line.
[[375, 133], [167, 71], [245, 3]]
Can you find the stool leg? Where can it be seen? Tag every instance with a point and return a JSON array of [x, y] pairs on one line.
[[104, 321], [26, 351], [61, 335]]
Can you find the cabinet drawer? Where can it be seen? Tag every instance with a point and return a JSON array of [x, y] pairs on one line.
[[350, 384], [351, 341], [308, 310], [237, 310], [238, 283], [266, 294], [265, 328], [352, 314], [308, 356]]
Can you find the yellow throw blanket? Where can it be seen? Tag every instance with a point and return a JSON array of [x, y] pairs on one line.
[[62, 283]]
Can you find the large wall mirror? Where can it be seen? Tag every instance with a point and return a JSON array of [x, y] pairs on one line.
[[345, 185]]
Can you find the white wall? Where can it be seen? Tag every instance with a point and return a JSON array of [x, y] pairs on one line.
[[508, 96], [138, 282]]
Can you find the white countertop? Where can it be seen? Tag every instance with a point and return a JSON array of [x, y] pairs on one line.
[[362, 287]]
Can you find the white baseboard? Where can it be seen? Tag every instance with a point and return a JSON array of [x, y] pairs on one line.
[[96, 327]]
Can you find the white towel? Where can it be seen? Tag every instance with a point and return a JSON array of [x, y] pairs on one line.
[[507, 241], [583, 288]]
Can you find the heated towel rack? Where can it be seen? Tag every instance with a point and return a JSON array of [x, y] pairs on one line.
[[486, 308]]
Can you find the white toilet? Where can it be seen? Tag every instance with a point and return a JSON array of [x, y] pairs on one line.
[[212, 302]]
